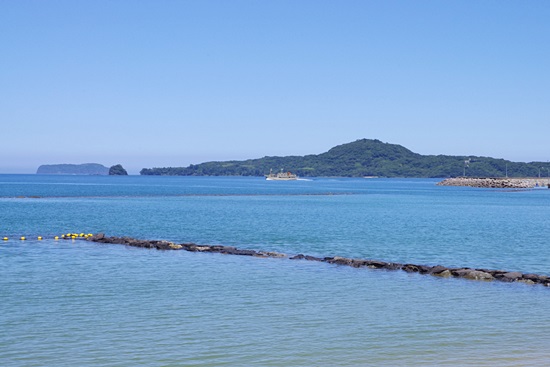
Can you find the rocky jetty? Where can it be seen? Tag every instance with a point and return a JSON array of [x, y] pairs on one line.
[[438, 270], [496, 183]]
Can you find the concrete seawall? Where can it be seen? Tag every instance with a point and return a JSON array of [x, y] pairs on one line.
[[496, 183]]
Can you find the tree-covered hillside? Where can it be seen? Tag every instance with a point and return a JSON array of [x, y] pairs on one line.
[[360, 158]]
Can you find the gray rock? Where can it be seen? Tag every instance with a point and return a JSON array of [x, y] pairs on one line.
[[271, 254], [535, 278], [97, 237], [460, 272], [424, 269], [393, 266], [339, 260], [410, 268], [438, 269], [359, 263], [478, 275], [511, 276], [376, 264], [444, 274], [313, 258]]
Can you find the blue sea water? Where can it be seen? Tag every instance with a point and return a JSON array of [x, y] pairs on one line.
[[65, 303]]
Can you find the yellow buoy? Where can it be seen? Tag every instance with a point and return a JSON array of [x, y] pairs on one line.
[[23, 238], [56, 238], [39, 238], [5, 238]]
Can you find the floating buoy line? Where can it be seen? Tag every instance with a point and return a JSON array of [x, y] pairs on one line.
[[65, 236]]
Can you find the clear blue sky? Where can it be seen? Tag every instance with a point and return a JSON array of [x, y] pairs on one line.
[[170, 83]]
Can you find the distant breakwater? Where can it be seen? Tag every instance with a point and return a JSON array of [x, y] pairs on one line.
[[438, 270], [496, 182]]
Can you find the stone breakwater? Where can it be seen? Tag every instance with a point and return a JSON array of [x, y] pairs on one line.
[[438, 270], [496, 183]]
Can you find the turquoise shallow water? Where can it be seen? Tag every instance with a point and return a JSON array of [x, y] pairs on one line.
[[66, 304]]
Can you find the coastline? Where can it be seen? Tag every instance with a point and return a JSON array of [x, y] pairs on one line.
[[437, 270], [497, 182]]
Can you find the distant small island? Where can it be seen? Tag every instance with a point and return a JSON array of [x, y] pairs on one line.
[[73, 169], [81, 169], [364, 158]]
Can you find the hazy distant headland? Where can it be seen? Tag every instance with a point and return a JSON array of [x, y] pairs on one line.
[[73, 169], [80, 169], [361, 158]]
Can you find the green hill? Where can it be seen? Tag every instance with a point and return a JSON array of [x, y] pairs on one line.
[[364, 157]]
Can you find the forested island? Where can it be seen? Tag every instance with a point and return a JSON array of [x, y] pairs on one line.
[[361, 158]]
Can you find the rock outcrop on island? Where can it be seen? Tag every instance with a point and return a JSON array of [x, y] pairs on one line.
[[496, 183], [117, 170], [73, 169]]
